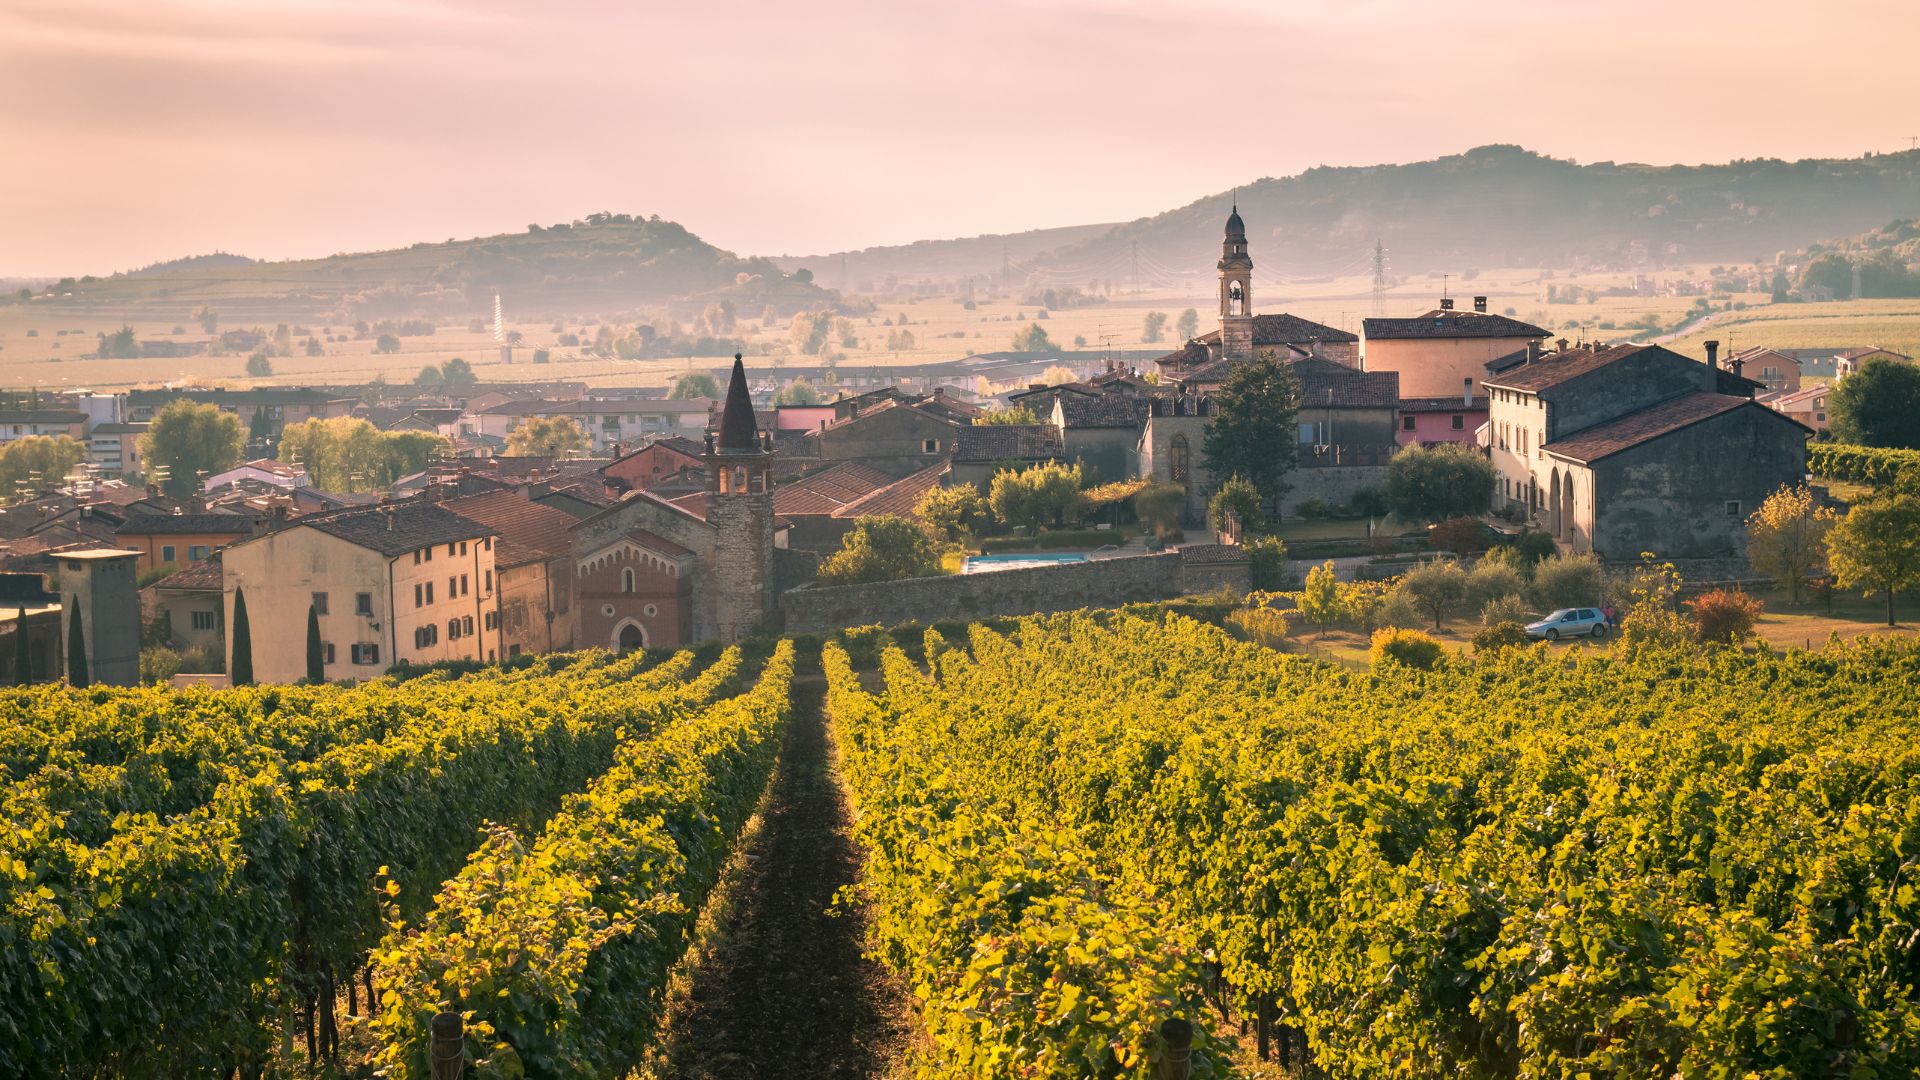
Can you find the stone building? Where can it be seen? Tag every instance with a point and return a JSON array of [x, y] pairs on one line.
[[1443, 353], [99, 586], [533, 565], [1636, 448], [706, 574]]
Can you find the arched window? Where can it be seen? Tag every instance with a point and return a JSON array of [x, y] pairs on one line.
[[1236, 299], [1177, 454], [626, 580], [739, 479]]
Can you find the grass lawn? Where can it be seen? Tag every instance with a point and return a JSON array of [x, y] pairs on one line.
[[1297, 530]]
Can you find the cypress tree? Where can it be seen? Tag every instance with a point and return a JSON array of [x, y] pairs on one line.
[[240, 671], [316, 660], [76, 650], [22, 664]]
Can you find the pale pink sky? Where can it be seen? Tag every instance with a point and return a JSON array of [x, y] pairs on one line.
[[136, 130]]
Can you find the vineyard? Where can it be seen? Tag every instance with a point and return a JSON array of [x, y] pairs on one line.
[[1537, 864], [195, 879]]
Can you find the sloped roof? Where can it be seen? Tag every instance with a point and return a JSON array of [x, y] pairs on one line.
[[181, 524], [1648, 424], [203, 576], [1450, 404], [1006, 442], [829, 489], [397, 528], [1555, 368], [41, 416], [1326, 383], [529, 531], [1447, 323], [900, 498], [1110, 410]]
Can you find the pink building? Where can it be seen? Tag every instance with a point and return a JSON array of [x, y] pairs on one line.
[[1432, 420], [802, 418]]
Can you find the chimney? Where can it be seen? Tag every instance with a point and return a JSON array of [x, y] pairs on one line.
[[1446, 303], [1562, 343], [1713, 353], [1480, 304], [388, 507], [1533, 351], [1466, 391]]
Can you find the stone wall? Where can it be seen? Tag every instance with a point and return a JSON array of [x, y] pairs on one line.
[[1105, 583], [1333, 485]]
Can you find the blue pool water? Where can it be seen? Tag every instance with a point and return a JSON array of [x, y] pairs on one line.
[[981, 564]]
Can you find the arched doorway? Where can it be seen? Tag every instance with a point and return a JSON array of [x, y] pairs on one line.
[[629, 638], [1566, 507], [1553, 505]]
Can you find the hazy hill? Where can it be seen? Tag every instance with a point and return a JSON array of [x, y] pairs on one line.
[[606, 263], [1492, 206]]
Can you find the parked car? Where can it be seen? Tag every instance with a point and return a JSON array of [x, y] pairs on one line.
[[1570, 622]]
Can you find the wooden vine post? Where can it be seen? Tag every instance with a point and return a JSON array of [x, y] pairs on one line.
[[447, 1049], [1176, 1049]]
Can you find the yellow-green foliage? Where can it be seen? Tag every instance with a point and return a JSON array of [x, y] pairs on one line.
[[1409, 648], [1261, 625]]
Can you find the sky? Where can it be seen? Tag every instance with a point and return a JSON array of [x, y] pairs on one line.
[[142, 130]]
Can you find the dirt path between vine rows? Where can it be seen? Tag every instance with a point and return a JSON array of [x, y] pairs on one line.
[[780, 988]]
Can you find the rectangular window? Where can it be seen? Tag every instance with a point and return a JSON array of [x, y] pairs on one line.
[[166, 552], [319, 603], [363, 603], [197, 552], [463, 584], [417, 602], [416, 558], [466, 625], [449, 548], [513, 650], [1459, 422], [1406, 422], [1733, 508], [429, 592], [364, 653], [203, 620], [326, 650], [489, 587], [453, 586], [463, 547], [930, 446]]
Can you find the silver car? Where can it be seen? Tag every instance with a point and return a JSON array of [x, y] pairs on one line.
[[1570, 622]]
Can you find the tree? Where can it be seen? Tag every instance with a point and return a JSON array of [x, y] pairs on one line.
[[208, 319], [1438, 587], [1320, 599], [258, 366], [1723, 615], [1032, 339], [796, 393], [1155, 324], [38, 461], [1787, 537], [696, 384], [953, 513], [1436, 483], [429, 376], [1491, 580], [1877, 545], [1188, 325], [1563, 581], [316, 654], [1879, 405], [119, 345], [22, 661], [1253, 434], [346, 453], [1161, 505], [76, 649], [1236, 500], [386, 343], [241, 667], [1038, 495], [547, 436], [882, 548], [1012, 415], [457, 372], [188, 440]]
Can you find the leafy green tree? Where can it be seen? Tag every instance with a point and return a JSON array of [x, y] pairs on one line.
[[386, 344], [1879, 405], [796, 393], [1041, 494], [457, 372], [258, 366], [1266, 561], [1320, 598], [1161, 506], [1236, 499], [697, 384], [1155, 326], [953, 513], [429, 376], [119, 345], [1564, 581], [208, 319], [189, 439], [1437, 483], [45, 458], [1254, 434], [1877, 545], [316, 653], [345, 453], [881, 548], [1440, 588], [1188, 325], [1033, 338], [547, 436], [1012, 415], [242, 665]]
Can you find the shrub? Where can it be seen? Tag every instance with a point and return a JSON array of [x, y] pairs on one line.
[[882, 548], [1409, 648], [1362, 602], [1533, 546], [1723, 615], [1506, 634], [1461, 535], [1438, 587], [1505, 609], [1567, 581], [1311, 508], [1236, 499], [1267, 562], [1399, 608], [1370, 502], [1492, 579], [158, 664], [1260, 625]]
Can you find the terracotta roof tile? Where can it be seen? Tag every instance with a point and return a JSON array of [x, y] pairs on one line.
[[1634, 429], [1443, 323], [528, 531], [900, 498]]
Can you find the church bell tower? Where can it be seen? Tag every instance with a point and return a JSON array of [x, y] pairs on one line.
[[739, 462], [1236, 291]]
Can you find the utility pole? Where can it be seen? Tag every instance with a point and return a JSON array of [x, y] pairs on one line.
[[1135, 247], [1379, 278]]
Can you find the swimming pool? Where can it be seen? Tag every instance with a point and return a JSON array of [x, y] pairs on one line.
[[983, 564]]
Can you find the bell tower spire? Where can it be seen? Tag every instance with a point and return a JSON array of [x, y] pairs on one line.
[[1236, 289]]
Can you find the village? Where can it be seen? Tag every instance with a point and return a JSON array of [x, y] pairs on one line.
[[666, 520]]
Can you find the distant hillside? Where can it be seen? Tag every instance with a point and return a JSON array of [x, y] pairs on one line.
[[604, 264], [1492, 206], [213, 261], [1884, 261], [940, 260]]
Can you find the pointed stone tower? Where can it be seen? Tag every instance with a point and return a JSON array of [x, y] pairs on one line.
[[739, 463], [1236, 291]]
